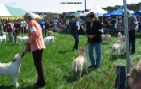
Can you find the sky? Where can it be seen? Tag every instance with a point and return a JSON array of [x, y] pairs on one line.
[[56, 6]]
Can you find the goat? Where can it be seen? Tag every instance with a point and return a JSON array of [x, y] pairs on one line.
[[119, 45]]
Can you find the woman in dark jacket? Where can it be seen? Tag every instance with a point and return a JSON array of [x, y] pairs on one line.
[[75, 27], [93, 33]]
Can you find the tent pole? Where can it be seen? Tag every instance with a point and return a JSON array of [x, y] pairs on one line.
[[85, 5], [126, 36]]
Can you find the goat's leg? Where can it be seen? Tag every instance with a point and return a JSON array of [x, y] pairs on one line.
[[85, 67], [73, 74], [110, 39], [16, 84], [119, 53], [80, 74], [111, 53]]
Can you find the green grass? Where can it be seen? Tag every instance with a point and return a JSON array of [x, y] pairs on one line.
[[57, 61]]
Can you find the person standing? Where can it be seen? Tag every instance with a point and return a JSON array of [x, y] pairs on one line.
[[75, 27], [35, 44], [131, 25], [42, 24], [47, 27], [17, 30], [93, 33], [9, 30], [1, 28]]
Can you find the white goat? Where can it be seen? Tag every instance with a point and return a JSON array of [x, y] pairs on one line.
[[79, 63], [119, 46], [12, 68], [49, 39], [3, 38], [22, 39]]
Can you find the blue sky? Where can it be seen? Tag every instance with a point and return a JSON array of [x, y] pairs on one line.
[[55, 6]]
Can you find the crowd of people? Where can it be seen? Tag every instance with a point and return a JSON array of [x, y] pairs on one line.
[[92, 27]]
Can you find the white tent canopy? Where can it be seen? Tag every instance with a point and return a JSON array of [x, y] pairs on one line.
[[4, 11], [7, 10], [98, 11]]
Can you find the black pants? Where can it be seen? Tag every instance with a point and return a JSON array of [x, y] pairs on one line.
[[37, 57], [76, 38], [132, 41]]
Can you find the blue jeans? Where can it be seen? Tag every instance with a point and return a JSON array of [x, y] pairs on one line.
[[97, 47], [10, 35]]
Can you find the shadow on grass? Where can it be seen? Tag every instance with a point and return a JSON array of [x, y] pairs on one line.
[[6, 87], [70, 78], [74, 77], [27, 87], [13, 87], [105, 43], [64, 51], [12, 44]]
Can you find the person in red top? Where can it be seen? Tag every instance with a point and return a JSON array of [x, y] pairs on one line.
[[35, 44], [9, 30]]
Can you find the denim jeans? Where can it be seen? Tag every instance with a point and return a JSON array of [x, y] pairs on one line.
[[95, 60], [76, 38], [10, 35]]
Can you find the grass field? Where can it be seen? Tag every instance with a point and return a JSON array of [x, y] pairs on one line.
[[57, 62]]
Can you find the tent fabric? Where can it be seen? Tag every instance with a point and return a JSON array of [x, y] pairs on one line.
[[75, 14], [6, 10], [98, 11], [79, 14], [138, 13], [117, 12], [15, 11], [120, 11]]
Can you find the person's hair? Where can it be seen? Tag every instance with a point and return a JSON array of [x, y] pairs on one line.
[[96, 17], [91, 15], [29, 16], [76, 17]]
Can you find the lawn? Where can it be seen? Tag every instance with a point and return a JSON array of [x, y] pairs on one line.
[[57, 62]]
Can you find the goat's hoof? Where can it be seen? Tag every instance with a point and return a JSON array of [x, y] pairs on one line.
[[17, 85]]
